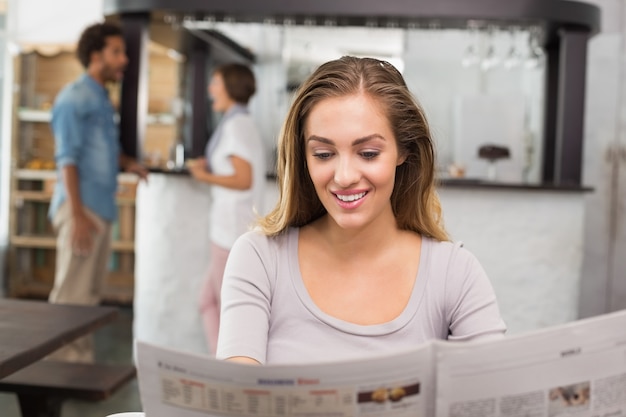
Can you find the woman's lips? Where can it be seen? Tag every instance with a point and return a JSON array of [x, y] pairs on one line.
[[350, 200]]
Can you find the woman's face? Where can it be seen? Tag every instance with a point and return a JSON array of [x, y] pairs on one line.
[[217, 91], [352, 156]]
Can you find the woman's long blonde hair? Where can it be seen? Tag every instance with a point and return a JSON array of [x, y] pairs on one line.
[[414, 199]]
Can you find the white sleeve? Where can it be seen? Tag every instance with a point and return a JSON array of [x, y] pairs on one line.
[[246, 299], [238, 137]]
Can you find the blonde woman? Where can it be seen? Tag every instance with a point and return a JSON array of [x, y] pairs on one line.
[[353, 261]]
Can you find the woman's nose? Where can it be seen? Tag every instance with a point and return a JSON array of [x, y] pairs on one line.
[[346, 172]]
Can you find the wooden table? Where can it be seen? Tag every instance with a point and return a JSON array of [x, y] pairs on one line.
[[31, 330]]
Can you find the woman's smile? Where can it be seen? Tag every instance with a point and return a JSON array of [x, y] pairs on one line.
[[349, 199]]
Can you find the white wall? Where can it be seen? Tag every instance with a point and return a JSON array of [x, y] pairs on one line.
[[58, 21], [530, 244]]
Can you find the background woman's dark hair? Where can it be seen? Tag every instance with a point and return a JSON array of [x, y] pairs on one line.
[[93, 39], [238, 81]]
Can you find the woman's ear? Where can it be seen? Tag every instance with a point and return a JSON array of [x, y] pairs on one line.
[[401, 158]]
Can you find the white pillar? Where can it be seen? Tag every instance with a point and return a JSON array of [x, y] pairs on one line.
[[171, 261]]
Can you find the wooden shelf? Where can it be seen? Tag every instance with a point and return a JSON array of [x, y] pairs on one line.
[[49, 242], [44, 116], [160, 119], [45, 197], [39, 196], [123, 246], [34, 115], [35, 174], [125, 201], [40, 242], [126, 177], [49, 174]]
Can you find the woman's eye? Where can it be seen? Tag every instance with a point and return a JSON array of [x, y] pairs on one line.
[[322, 155], [369, 154]]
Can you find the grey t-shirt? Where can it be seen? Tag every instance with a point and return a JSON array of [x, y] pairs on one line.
[[268, 315]]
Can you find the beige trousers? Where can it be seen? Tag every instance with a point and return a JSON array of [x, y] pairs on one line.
[[79, 278]]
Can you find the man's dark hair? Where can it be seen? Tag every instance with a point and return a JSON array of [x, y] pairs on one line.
[[93, 39]]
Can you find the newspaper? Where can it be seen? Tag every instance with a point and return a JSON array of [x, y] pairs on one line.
[[576, 369]]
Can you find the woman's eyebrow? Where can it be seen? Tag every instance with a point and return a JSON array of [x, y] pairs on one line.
[[314, 138], [368, 138], [355, 143]]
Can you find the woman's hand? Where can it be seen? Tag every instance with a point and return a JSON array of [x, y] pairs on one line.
[[241, 179], [197, 168], [243, 359]]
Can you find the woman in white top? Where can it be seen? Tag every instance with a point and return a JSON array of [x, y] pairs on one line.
[[234, 166], [353, 260]]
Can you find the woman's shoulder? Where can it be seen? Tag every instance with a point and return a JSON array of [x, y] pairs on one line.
[[254, 252], [449, 252], [259, 241]]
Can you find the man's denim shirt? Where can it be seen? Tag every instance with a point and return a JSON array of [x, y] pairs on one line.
[[86, 135]]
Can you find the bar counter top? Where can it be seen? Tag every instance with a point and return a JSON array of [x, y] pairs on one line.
[[455, 183]]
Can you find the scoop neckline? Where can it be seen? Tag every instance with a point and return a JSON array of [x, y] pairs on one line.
[[410, 310]]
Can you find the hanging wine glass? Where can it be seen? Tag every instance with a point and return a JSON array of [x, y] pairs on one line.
[[536, 54], [491, 59], [513, 57], [471, 57]]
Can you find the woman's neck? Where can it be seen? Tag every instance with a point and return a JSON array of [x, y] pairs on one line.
[[365, 240], [231, 106]]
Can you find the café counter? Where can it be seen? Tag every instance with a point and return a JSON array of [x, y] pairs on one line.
[[171, 259]]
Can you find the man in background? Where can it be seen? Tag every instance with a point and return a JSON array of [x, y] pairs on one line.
[[88, 159]]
